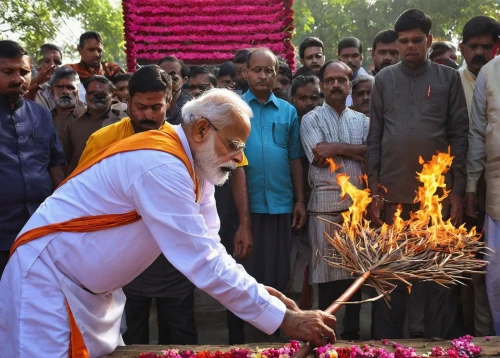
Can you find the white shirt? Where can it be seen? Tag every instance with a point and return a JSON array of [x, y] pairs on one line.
[[159, 188]]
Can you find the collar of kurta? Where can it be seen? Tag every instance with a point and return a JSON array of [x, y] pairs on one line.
[[101, 117], [469, 75], [415, 71], [249, 96]]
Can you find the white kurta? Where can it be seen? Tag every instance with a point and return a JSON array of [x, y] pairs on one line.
[[42, 273]]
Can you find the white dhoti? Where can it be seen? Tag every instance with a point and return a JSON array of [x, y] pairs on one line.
[[492, 228], [88, 269]]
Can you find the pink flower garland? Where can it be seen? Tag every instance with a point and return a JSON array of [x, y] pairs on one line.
[[460, 348], [206, 31]]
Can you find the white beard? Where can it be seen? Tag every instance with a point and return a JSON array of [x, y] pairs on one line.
[[207, 164]]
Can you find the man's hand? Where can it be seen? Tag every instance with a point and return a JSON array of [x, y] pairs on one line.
[[243, 242], [299, 215], [470, 204], [326, 150], [376, 208], [320, 161], [456, 209], [309, 326], [44, 75], [289, 303]]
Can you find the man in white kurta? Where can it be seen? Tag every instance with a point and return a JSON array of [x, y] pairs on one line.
[[88, 269]]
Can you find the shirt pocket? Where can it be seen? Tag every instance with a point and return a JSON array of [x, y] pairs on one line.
[[41, 148], [280, 134], [434, 101], [356, 136]]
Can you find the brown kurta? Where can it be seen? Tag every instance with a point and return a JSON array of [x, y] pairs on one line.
[[75, 137], [63, 120], [415, 112]]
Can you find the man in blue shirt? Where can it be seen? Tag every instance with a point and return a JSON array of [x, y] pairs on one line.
[[274, 177], [31, 157]]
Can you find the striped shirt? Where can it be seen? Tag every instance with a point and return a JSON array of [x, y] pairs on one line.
[[323, 124]]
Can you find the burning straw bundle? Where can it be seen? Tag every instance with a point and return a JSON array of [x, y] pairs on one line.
[[425, 247]]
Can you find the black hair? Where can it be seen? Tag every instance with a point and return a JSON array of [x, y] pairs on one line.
[[121, 77], [184, 68], [63, 72], [226, 69], [242, 55], [49, 47], [253, 51], [98, 78], [11, 49], [88, 36], [439, 48], [150, 78], [321, 73], [300, 81], [310, 42], [349, 42], [481, 25], [413, 19], [386, 37], [198, 70], [284, 70]]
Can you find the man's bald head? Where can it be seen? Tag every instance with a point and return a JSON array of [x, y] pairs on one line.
[[264, 52], [339, 63], [261, 72]]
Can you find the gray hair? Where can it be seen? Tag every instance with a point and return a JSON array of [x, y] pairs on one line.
[[362, 79], [217, 105], [63, 72]]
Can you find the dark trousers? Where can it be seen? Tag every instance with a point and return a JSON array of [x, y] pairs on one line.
[[4, 257], [269, 262], [175, 320], [432, 308], [328, 292]]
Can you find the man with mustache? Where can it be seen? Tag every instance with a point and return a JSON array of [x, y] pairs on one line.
[[150, 87], [148, 194], [417, 109], [479, 36], [361, 91], [90, 47], [31, 158], [50, 60], [305, 94], [337, 132], [312, 57], [384, 51], [99, 91], [63, 87], [274, 178]]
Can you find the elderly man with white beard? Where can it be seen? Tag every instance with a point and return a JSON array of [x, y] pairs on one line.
[[148, 194], [63, 86]]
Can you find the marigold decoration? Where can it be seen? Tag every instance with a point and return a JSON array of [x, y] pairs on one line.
[[460, 348], [206, 31]]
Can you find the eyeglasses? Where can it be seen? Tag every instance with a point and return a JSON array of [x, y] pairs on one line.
[[233, 146]]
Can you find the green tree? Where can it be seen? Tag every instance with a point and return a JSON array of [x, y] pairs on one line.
[[39, 21], [332, 20]]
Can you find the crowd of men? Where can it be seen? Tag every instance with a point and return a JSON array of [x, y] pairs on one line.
[[414, 101]]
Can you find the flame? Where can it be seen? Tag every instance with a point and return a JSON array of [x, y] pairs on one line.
[[427, 222], [333, 165]]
